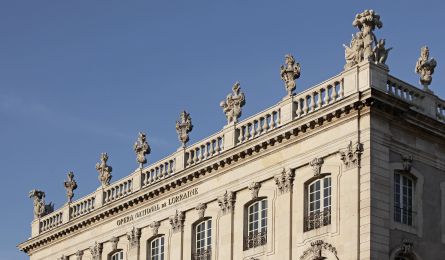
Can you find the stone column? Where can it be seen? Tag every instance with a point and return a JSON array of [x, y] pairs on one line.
[[283, 229], [134, 243], [176, 238], [225, 236]]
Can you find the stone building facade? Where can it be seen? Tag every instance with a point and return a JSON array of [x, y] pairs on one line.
[[352, 168]]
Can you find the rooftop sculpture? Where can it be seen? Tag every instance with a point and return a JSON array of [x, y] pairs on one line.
[[104, 170], [290, 73], [183, 127], [70, 185], [141, 149], [233, 104], [364, 44], [425, 68], [40, 207]]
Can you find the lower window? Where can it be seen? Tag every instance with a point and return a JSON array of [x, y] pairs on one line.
[[118, 256], [157, 249], [256, 224]]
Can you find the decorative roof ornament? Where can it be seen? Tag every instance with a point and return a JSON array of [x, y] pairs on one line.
[[425, 67], [40, 207], [70, 185], [104, 170], [364, 44], [233, 104], [290, 73], [183, 127], [141, 149]]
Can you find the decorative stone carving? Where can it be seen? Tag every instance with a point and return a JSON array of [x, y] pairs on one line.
[[425, 67], [96, 251], [177, 221], [63, 257], [361, 46], [233, 104], [285, 180], [141, 148], [201, 207], [40, 207], [70, 185], [351, 155], [289, 73], [104, 170], [155, 227], [317, 250], [254, 188], [380, 52], [183, 127], [316, 164], [79, 255], [407, 162], [133, 237], [406, 249], [227, 202], [114, 241]]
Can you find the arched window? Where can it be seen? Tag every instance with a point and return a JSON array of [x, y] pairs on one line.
[[117, 256], [318, 201], [256, 224], [403, 198], [156, 249], [203, 240]]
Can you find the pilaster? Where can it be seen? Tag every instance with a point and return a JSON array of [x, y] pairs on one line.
[[99, 195], [230, 136], [66, 213], [287, 109], [137, 179], [283, 229], [35, 227], [180, 159]]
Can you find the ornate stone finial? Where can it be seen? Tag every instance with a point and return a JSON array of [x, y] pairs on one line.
[[317, 249], [233, 104], [70, 185], [177, 221], [351, 155], [361, 46], [316, 164], [183, 127], [290, 73], [79, 255], [425, 68], [96, 251], [407, 162], [133, 237], [227, 202], [201, 208], [254, 188], [40, 207], [284, 180], [104, 170], [114, 241], [155, 227], [141, 148]]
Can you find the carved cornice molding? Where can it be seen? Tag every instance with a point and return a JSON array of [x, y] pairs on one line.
[[227, 202], [133, 237], [240, 153], [254, 188], [177, 221], [285, 180], [351, 155]]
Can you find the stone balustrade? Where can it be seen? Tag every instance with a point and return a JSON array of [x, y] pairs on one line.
[[259, 124], [319, 96], [204, 150], [236, 134], [159, 171], [118, 190], [51, 221], [83, 206]]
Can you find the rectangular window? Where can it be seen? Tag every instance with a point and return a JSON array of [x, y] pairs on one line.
[[257, 224], [318, 212], [157, 249], [203, 231], [403, 199]]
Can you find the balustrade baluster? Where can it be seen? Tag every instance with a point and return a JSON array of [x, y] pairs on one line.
[[319, 99]]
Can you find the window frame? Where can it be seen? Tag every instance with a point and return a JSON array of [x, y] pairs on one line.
[[150, 256], [321, 215], [256, 237], [115, 253], [203, 252]]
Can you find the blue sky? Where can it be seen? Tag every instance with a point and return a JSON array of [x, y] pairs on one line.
[[78, 78]]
